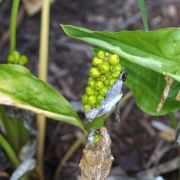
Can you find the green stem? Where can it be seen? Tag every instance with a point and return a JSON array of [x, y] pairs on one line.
[[143, 14], [95, 123], [43, 63], [14, 12], [69, 154], [9, 151], [173, 119]]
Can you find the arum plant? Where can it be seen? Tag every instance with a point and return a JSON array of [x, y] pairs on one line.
[[152, 62], [151, 59]]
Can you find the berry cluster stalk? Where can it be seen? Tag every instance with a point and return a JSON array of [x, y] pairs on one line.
[[14, 12]]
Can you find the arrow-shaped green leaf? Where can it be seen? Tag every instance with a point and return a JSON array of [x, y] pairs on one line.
[[149, 57], [18, 87]]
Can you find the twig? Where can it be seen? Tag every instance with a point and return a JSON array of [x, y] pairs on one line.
[[159, 152], [162, 168], [69, 154]]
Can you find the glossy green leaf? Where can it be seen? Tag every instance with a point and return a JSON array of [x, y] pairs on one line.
[[18, 87], [148, 56], [148, 87]]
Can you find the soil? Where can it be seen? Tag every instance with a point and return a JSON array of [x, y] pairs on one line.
[[135, 140]]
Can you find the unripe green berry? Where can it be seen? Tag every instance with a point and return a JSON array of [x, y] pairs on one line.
[[16, 55], [87, 107], [84, 99], [92, 100], [106, 82], [91, 83], [114, 59], [103, 90], [97, 105], [23, 60], [101, 54], [100, 98], [116, 74], [117, 67], [89, 91], [107, 54], [108, 75], [104, 67], [94, 72], [96, 93], [11, 59], [103, 78], [97, 61], [99, 85], [112, 81]]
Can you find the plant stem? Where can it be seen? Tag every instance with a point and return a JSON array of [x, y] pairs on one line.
[[143, 14], [14, 12], [174, 121], [9, 151], [69, 154], [43, 63]]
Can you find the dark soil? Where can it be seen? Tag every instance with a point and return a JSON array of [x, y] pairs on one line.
[[69, 60]]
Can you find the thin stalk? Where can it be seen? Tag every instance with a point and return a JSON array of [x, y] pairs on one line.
[[9, 151], [14, 12], [143, 14], [69, 154], [43, 63]]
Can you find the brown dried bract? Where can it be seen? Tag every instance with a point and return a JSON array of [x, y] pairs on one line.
[[169, 82], [97, 159], [33, 6]]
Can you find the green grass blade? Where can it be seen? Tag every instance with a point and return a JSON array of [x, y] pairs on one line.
[[9, 151], [10, 129], [143, 14]]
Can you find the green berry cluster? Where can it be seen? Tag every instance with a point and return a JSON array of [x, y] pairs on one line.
[[16, 58], [105, 70]]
